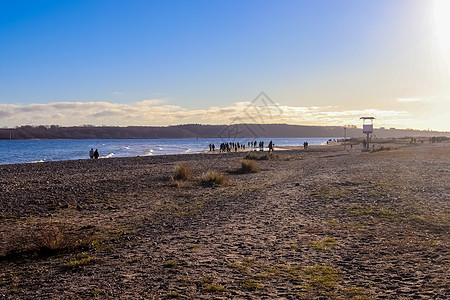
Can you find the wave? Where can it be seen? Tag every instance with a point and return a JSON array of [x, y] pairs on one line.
[[108, 156], [38, 161]]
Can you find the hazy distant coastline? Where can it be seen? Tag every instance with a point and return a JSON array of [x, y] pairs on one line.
[[202, 131]]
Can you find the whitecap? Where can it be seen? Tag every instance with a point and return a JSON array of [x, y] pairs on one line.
[[38, 161], [108, 156]]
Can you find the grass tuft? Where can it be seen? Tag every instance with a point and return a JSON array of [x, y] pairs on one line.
[[170, 264], [47, 238], [80, 261], [357, 293], [248, 166], [252, 285], [254, 156], [182, 172], [325, 244], [214, 288], [322, 277], [212, 178]]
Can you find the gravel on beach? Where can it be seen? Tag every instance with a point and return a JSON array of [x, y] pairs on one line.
[[321, 223]]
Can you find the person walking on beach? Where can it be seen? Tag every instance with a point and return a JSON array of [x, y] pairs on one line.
[[96, 155], [270, 146], [91, 153]]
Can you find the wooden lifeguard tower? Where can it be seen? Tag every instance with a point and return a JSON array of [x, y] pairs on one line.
[[367, 129]]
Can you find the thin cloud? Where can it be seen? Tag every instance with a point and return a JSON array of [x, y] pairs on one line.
[[406, 100], [150, 102]]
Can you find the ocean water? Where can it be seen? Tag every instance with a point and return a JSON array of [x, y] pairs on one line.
[[33, 151]]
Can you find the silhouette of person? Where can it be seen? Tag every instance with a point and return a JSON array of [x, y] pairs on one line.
[[91, 153], [96, 155]]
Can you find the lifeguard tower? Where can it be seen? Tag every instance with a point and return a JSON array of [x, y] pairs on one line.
[[367, 129]]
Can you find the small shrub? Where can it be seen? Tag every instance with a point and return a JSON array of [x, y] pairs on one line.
[[182, 172], [46, 239], [212, 178], [248, 166]]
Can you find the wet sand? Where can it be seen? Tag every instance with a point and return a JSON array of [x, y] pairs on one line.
[[321, 223]]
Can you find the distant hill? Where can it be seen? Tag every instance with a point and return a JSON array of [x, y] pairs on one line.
[[201, 131]]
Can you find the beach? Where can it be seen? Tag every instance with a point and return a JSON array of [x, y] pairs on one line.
[[320, 223]]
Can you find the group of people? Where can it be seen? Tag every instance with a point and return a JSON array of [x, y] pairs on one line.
[[93, 154], [230, 146]]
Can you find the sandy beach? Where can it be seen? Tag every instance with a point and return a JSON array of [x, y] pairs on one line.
[[321, 223]]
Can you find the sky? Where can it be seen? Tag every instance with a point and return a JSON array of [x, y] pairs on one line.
[[169, 62]]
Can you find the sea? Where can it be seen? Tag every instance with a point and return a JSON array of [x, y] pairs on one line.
[[38, 151]]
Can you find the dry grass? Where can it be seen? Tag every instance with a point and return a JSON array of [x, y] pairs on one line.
[[212, 178], [47, 238], [268, 156], [178, 183], [214, 288], [170, 263], [325, 244], [251, 285], [322, 277], [182, 172], [248, 166], [382, 213], [80, 261]]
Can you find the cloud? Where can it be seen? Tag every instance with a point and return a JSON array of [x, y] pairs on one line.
[[406, 100], [150, 102], [156, 113]]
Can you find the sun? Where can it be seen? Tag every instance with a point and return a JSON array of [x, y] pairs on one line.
[[442, 23]]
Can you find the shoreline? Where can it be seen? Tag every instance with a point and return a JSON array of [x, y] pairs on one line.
[[54, 150]]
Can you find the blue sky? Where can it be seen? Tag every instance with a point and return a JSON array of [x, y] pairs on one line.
[[171, 62]]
